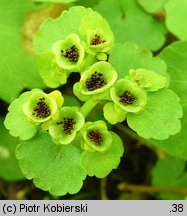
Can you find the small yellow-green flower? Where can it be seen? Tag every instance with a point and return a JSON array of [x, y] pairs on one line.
[[96, 81], [41, 107], [70, 121], [128, 96], [69, 52], [96, 137], [97, 33], [98, 41]]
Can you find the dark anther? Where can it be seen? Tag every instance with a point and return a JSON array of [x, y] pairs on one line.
[[67, 125], [72, 54], [59, 123], [96, 81], [127, 98], [97, 40], [95, 136], [41, 110]]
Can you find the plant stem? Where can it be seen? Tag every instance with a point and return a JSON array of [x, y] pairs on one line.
[[151, 189], [103, 185], [88, 106]]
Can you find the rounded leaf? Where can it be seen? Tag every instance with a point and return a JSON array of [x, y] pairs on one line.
[[160, 119], [152, 6], [175, 56], [176, 18], [127, 56], [17, 122], [130, 23], [18, 69], [52, 167], [53, 30]]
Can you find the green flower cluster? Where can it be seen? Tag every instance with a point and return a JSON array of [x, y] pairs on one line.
[[87, 47], [35, 112], [83, 42], [129, 95], [47, 113], [76, 52]]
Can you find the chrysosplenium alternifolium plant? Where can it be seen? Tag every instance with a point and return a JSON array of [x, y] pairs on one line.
[[60, 147]]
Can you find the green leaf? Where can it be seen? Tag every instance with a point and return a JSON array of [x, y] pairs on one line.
[[9, 168], [17, 69], [130, 23], [53, 30], [175, 57], [89, 3], [56, 1], [169, 173], [129, 56], [16, 121], [160, 119], [101, 164], [152, 6], [176, 18], [54, 168]]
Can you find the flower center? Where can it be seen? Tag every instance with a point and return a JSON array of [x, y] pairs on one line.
[[97, 40], [95, 136], [67, 125], [72, 54], [127, 98], [96, 81], [41, 110]]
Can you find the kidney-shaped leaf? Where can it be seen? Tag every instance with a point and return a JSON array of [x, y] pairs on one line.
[[175, 57], [160, 119], [130, 56], [54, 168]]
